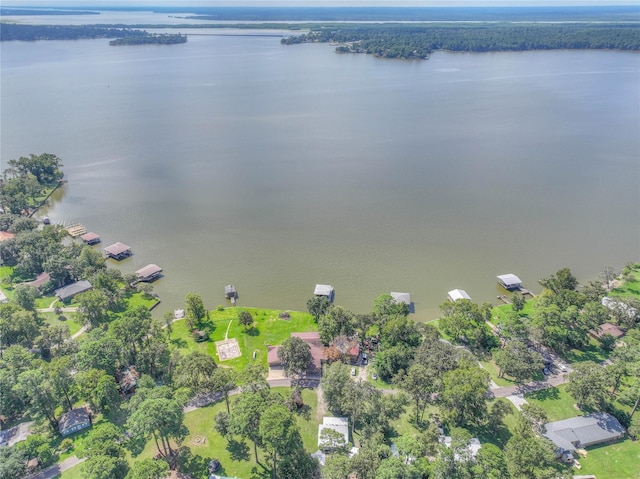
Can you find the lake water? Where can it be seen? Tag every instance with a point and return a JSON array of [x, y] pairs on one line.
[[234, 159]]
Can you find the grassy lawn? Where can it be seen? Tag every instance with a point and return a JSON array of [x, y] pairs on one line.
[[492, 368], [499, 313], [629, 288], [267, 329], [593, 352], [619, 460], [71, 321], [557, 403]]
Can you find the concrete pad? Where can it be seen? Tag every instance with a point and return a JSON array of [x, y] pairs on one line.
[[518, 400], [228, 349]]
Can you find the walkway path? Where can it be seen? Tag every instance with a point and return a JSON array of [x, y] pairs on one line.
[[56, 469]]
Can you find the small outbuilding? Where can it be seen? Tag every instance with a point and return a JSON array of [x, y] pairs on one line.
[[325, 290], [150, 272], [337, 424], [73, 421], [66, 293], [456, 294], [90, 238], [509, 281], [118, 251]]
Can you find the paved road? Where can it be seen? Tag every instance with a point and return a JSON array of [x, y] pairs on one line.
[[550, 382], [53, 471]]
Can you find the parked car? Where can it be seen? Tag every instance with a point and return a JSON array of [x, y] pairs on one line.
[[374, 376], [562, 368], [353, 371], [546, 371]]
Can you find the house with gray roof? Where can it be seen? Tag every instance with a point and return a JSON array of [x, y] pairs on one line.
[[584, 431], [66, 293], [73, 421]]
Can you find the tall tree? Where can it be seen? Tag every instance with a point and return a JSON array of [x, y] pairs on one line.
[[588, 385], [419, 382], [245, 319], [195, 312], [318, 306], [279, 432], [295, 355], [464, 394], [336, 321], [223, 380], [195, 371], [518, 360], [160, 418]]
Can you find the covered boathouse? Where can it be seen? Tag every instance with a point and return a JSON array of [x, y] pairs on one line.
[[118, 251], [150, 272]]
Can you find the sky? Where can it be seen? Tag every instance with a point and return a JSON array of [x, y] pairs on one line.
[[309, 3]]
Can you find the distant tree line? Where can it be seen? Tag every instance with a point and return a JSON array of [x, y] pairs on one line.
[[152, 38], [14, 31], [418, 41]]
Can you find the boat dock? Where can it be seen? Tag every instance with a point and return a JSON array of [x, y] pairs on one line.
[[76, 230], [504, 299], [231, 293]]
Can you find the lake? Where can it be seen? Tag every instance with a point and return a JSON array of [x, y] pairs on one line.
[[234, 159]]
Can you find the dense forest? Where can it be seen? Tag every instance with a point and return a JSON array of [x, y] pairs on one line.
[[123, 36], [158, 39], [418, 41]]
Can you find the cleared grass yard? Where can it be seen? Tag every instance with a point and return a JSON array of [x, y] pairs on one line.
[[620, 460], [557, 403], [268, 329]]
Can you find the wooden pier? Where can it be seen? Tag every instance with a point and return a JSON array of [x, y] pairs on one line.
[[504, 299], [76, 230], [526, 291]]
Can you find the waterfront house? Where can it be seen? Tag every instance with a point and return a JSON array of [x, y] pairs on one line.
[[456, 294], [66, 293], [90, 238], [150, 272], [73, 421], [325, 290], [509, 281], [317, 353], [118, 251], [583, 431]]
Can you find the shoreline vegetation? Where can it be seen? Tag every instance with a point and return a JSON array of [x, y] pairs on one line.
[[386, 40]]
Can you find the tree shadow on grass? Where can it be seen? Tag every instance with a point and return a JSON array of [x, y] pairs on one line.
[[253, 331], [179, 343], [544, 394], [238, 450], [304, 411]]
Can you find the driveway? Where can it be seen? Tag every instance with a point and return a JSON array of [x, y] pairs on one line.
[[53, 471]]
